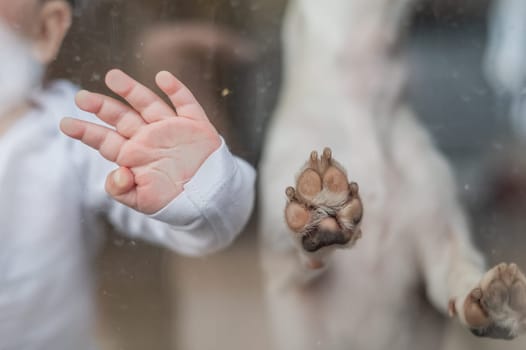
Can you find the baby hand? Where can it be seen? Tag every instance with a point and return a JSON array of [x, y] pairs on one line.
[[158, 147]]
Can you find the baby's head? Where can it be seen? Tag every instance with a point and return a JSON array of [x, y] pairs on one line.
[[42, 23], [31, 33]]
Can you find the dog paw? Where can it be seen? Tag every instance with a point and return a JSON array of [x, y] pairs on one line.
[[497, 307], [324, 209]]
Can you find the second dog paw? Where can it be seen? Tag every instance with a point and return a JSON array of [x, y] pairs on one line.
[[497, 307]]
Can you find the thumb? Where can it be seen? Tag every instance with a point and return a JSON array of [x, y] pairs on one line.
[[119, 182]]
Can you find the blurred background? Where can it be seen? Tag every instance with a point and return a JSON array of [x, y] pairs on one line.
[[228, 52]]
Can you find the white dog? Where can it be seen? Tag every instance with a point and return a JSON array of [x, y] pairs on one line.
[[342, 86]]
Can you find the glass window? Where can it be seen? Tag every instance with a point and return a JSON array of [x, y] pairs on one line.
[[160, 225]]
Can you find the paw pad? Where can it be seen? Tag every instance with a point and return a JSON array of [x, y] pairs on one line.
[[324, 209], [497, 308]]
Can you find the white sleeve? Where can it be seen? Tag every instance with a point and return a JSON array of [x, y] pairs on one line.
[[206, 217]]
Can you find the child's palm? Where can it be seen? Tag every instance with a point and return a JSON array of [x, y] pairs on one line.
[[157, 148]]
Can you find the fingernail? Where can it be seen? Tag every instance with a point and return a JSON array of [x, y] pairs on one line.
[[117, 80], [82, 93], [67, 125], [81, 97], [163, 78], [118, 179]]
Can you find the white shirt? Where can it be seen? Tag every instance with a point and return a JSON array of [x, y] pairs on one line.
[[51, 198]]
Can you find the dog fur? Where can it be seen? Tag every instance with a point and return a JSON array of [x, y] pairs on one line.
[[415, 264]]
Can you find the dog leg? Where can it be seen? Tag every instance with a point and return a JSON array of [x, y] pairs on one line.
[[324, 211], [490, 304]]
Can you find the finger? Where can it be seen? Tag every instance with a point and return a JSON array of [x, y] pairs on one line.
[[150, 106], [123, 118], [120, 185], [184, 102], [106, 141], [119, 182]]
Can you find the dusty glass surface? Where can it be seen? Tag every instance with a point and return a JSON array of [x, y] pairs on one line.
[[390, 86]]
